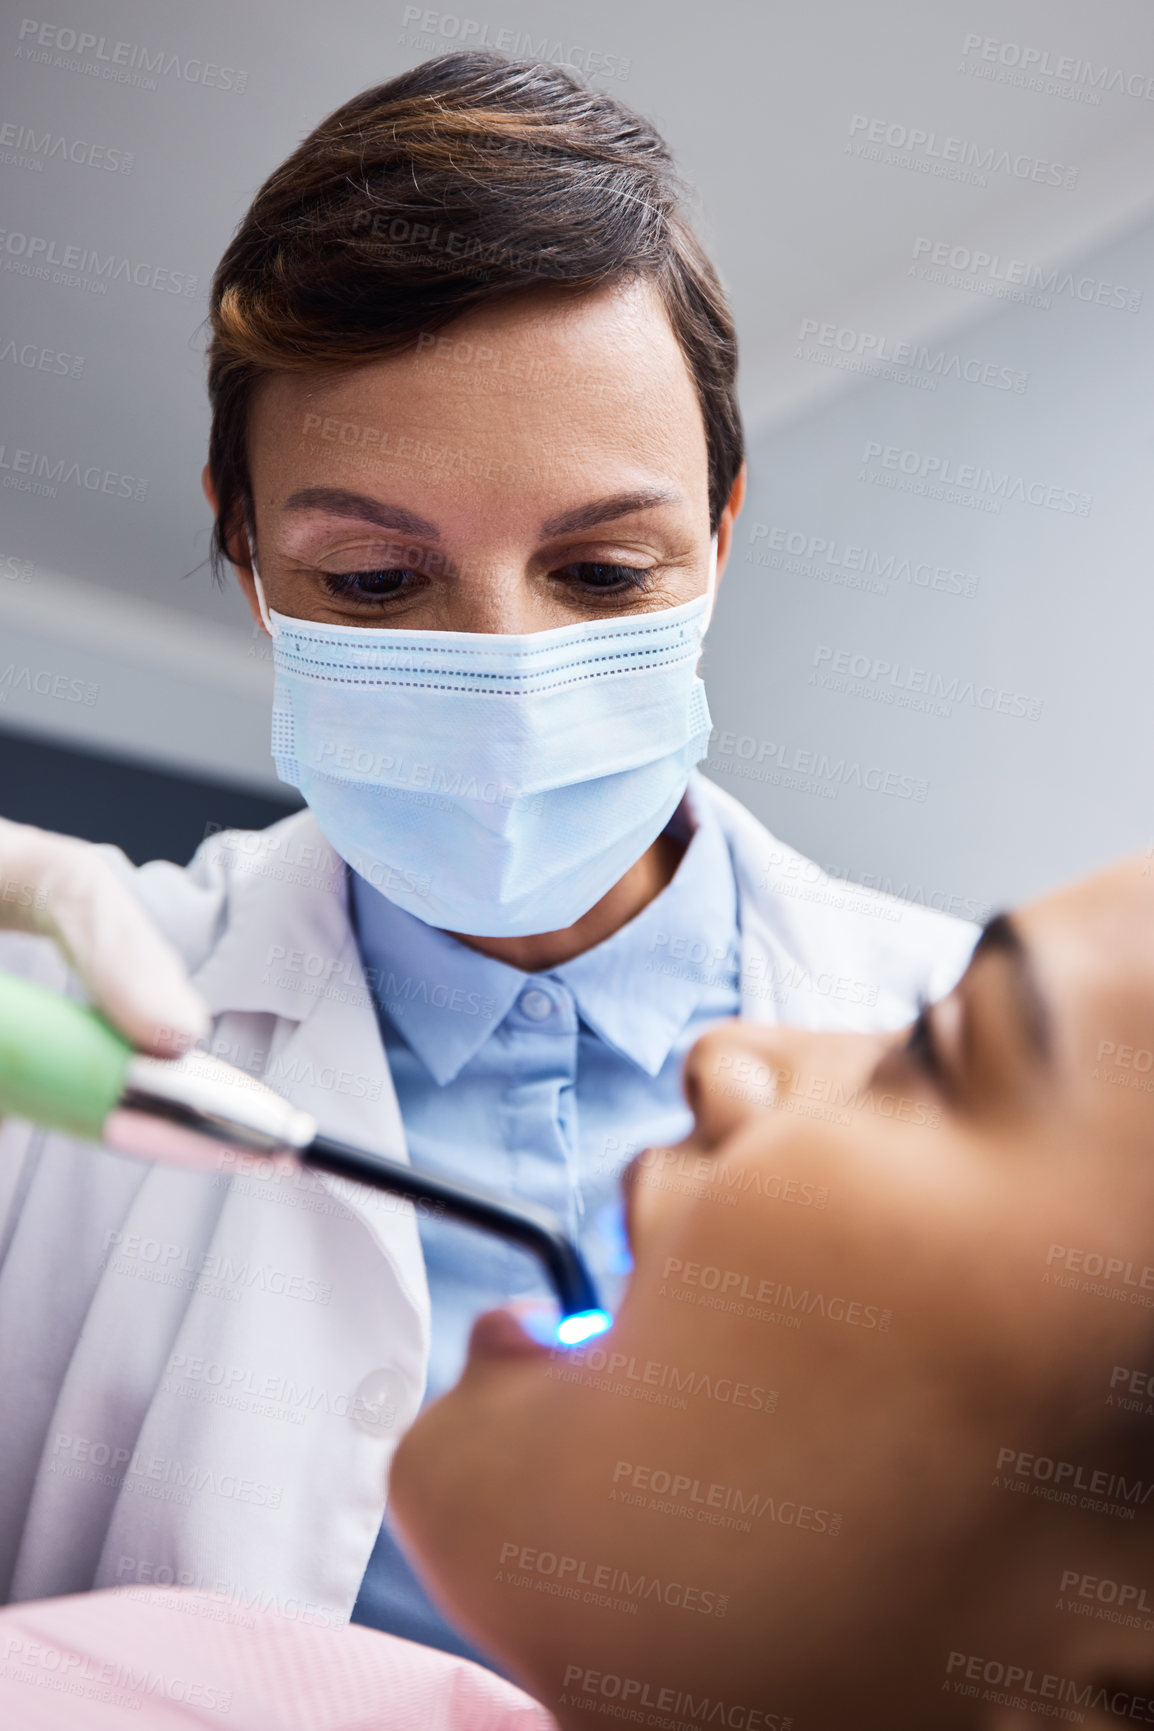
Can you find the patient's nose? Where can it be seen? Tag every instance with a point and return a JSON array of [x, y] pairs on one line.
[[738, 1071]]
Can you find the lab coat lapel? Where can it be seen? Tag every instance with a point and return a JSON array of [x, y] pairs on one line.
[[289, 949], [333, 1064], [819, 952], [313, 1290], [751, 847], [286, 919]]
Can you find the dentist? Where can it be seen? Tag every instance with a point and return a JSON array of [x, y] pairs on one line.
[[476, 460]]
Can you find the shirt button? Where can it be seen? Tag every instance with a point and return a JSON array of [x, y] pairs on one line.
[[536, 1004], [382, 1403]]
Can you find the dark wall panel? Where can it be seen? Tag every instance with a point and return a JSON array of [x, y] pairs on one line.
[[150, 813]]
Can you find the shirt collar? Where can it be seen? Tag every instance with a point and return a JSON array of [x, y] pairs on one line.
[[639, 988], [443, 997], [636, 990]]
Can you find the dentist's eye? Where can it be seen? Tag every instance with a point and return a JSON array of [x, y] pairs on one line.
[[597, 579], [370, 585]]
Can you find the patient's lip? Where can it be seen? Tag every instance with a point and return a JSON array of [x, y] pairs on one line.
[[501, 1334], [628, 1183]]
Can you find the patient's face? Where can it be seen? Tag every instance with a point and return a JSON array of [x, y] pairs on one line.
[[871, 1441]]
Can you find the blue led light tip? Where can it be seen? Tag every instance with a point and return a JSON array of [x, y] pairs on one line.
[[572, 1330]]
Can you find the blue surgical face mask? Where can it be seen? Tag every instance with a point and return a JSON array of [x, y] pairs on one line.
[[492, 784]]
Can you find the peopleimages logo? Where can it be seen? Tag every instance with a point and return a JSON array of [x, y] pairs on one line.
[[37, 357], [1014, 278], [1106, 1592], [132, 63], [43, 682], [37, 256], [901, 146], [884, 681], [1078, 1487], [603, 1584], [726, 1288], [1064, 69], [933, 471], [111, 1681], [589, 1689], [714, 1504], [806, 770], [36, 472], [851, 564], [874, 347], [1110, 1270], [172, 1264], [23, 147], [241, 1597], [250, 1389], [651, 1378], [1020, 1686], [135, 1471], [519, 44]]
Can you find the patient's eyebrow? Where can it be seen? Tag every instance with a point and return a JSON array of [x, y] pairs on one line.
[[1000, 936]]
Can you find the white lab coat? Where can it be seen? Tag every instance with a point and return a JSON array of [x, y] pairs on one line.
[[204, 1377]]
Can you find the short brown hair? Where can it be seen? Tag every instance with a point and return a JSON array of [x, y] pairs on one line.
[[459, 182]]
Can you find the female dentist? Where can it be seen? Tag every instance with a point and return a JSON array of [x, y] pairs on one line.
[[476, 459]]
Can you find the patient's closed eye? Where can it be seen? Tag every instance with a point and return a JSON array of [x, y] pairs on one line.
[[979, 1045], [922, 1046], [923, 1052]]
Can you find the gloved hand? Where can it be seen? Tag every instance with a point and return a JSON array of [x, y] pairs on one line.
[[64, 889]]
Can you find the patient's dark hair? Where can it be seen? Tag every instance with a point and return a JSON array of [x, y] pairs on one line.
[[460, 182]]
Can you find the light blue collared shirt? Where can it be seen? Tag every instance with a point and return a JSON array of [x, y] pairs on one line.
[[541, 1086]]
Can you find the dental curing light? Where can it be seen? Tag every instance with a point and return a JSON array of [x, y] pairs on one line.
[[63, 1066]]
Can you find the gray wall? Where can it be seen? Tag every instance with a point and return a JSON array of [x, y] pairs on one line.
[[947, 690]]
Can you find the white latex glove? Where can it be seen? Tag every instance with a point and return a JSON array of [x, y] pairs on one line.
[[64, 889]]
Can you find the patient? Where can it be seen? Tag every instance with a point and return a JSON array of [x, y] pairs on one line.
[[871, 1442]]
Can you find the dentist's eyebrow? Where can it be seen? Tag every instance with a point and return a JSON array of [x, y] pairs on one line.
[[338, 502], [607, 510], [1000, 936]]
